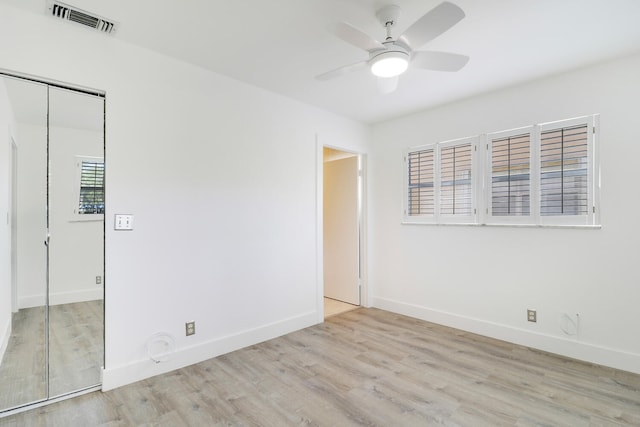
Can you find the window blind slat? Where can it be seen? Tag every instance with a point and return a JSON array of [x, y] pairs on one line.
[[421, 183], [563, 172], [455, 180], [91, 198], [510, 176]]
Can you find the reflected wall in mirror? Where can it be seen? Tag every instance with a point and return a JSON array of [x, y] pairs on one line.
[[52, 343], [22, 306], [76, 259]]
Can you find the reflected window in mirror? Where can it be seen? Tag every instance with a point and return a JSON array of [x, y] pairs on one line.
[[89, 186]]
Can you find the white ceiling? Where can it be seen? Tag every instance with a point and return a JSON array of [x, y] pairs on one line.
[[280, 45]]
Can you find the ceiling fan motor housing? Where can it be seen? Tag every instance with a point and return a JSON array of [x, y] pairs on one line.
[[388, 15]]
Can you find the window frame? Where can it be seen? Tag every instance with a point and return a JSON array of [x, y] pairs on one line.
[[420, 218], [76, 216], [481, 179], [437, 217], [488, 217], [593, 173]]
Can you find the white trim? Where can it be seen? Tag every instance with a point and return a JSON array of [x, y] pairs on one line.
[[605, 356], [319, 231], [87, 294], [44, 402], [118, 376], [362, 253], [51, 82], [596, 168], [4, 338]]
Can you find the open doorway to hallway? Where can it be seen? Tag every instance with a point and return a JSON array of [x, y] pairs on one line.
[[342, 196]]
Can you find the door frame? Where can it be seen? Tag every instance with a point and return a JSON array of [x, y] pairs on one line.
[[362, 224], [13, 219]]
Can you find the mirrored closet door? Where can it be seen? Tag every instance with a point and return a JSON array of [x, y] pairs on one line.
[[51, 305]]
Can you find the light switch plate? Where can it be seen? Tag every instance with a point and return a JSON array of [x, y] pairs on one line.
[[123, 222]]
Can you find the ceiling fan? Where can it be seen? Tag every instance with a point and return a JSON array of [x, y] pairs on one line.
[[390, 58]]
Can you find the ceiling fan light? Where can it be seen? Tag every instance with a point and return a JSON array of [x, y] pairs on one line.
[[390, 64]]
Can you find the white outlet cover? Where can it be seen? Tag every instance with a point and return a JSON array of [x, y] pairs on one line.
[[123, 222]]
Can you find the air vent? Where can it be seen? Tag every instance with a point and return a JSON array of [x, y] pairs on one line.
[[73, 14]]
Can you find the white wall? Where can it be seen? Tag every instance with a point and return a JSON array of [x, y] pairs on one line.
[[221, 179], [483, 279], [6, 123], [76, 248]]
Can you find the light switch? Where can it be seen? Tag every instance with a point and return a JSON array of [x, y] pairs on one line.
[[123, 222]]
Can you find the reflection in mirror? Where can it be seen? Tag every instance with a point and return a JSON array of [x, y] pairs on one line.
[[76, 214], [51, 303], [23, 135]]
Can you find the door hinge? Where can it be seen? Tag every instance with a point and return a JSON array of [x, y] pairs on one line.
[[594, 209], [594, 129]]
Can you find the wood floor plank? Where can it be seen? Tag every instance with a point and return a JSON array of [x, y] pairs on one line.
[[366, 367]]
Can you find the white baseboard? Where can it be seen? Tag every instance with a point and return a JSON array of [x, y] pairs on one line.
[[58, 298], [113, 377], [80, 295], [553, 344], [29, 301], [5, 334]]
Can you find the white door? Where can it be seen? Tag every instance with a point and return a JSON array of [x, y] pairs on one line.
[[341, 230]]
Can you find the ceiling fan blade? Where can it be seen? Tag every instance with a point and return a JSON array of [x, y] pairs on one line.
[[432, 24], [341, 71], [386, 85], [355, 37], [438, 61]]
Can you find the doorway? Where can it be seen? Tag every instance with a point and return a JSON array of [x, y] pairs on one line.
[[342, 222]]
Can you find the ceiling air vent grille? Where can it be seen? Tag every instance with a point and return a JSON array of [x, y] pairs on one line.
[[73, 14]]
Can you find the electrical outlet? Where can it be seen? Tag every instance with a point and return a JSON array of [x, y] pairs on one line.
[[531, 315], [98, 280], [190, 327]]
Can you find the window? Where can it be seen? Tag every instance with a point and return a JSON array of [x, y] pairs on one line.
[[563, 171], [89, 200], [439, 181], [455, 179], [545, 174], [509, 172], [569, 172], [421, 182]]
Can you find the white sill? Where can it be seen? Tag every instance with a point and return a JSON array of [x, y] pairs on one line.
[[587, 227], [87, 218]]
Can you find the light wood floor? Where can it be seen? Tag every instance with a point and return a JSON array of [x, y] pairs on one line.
[[22, 370], [365, 367], [75, 352], [333, 307]]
